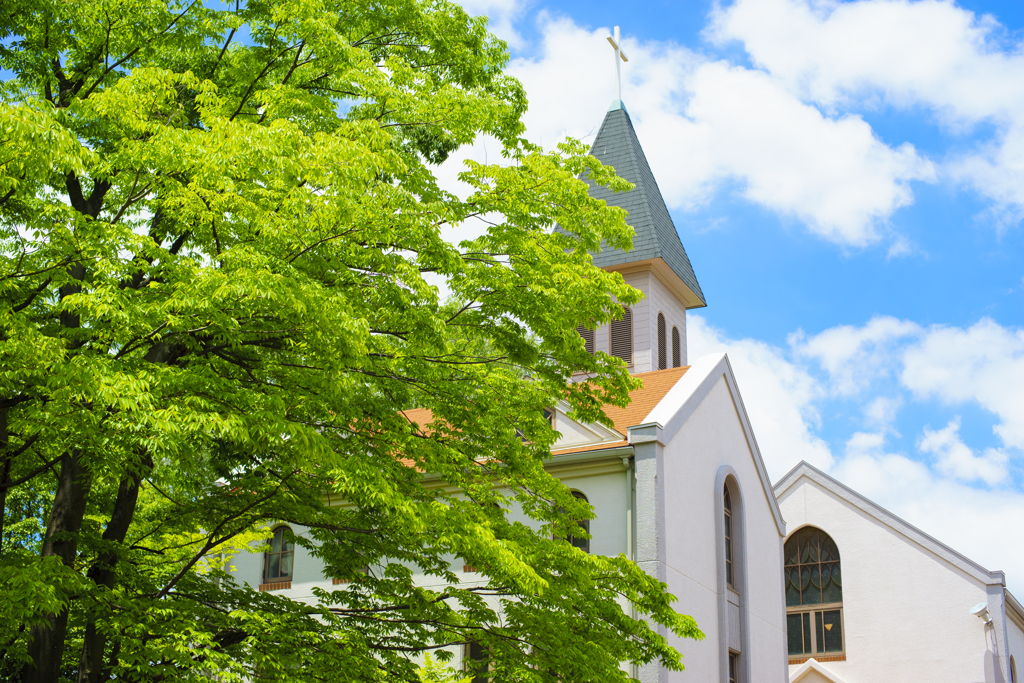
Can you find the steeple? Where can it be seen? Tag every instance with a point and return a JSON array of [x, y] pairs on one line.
[[657, 244]]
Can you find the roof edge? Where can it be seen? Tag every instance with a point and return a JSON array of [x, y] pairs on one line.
[[676, 407], [898, 524], [810, 665]]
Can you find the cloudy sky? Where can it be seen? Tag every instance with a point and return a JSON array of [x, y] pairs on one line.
[[848, 179]]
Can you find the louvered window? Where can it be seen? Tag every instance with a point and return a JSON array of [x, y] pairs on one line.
[[622, 336], [588, 338], [676, 355], [662, 346]]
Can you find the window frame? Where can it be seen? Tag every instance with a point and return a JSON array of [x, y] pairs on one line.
[[734, 667], [620, 342], [284, 530], [677, 356], [467, 657], [583, 524], [662, 343], [588, 335], [728, 536], [815, 611]]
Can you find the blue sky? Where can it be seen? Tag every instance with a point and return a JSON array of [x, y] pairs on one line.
[[848, 180]]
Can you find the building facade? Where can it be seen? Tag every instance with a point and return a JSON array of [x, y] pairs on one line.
[[900, 605]]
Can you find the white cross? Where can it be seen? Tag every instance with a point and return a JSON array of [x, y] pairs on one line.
[[616, 42]]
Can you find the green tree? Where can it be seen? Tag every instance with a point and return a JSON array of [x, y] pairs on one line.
[[218, 223]]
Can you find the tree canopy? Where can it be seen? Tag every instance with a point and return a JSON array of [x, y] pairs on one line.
[[221, 238]]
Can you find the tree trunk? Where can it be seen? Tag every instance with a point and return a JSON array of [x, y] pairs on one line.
[[46, 643], [5, 476], [91, 668]]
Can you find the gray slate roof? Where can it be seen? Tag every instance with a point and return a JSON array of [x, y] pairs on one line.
[[617, 146]]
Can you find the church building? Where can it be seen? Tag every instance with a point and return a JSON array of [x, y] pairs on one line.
[[678, 485], [871, 598]]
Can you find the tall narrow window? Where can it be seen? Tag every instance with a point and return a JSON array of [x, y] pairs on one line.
[[475, 652], [677, 358], [662, 344], [279, 559], [728, 539], [581, 542], [588, 338], [733, 666], [814, 595], [1013, 670], [622, 336]]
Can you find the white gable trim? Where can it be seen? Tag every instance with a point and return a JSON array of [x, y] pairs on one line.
[[813, 665], [911, 532], [676, 407], [586, 433]]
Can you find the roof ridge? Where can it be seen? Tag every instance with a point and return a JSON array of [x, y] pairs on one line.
[[890, 519]]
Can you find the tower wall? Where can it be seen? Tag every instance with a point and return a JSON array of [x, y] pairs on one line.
[[658, 298]]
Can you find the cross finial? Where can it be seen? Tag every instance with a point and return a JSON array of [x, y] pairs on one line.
[[616, 41]]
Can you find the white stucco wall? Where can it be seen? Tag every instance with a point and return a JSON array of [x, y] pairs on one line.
[[657, 298], [713, 437], [906, 611]]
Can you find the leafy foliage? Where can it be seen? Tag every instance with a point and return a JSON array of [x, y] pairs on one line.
[[218, 229]]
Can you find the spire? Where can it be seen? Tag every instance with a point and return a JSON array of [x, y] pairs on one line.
[[656, 238]]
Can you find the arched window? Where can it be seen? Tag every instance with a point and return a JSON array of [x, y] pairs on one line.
[[814, 594], [588, 338], [662, 345], [622, 336], [1013, 670], [279, 560], [581, 542], [733, 611], [728, 539], [677, 357]]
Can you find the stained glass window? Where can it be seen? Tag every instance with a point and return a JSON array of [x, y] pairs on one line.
[[814, 594]]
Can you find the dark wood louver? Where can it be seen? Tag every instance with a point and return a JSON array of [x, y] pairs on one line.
[[662, 345], [676, 355], [622, 336], [588, 338]]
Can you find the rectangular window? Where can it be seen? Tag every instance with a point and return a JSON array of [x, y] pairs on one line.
[[814, 632], [475, 652], [733, 666]]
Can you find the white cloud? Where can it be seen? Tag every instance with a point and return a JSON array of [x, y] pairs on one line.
[[983, 364], [955, 459], [941, 485], [779, 397], [501, 17], [706, 123], [855, 356], [906, 54], [957, 514], [881, 413]]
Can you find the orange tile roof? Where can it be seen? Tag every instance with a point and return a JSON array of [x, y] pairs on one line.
[[641, 402]]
